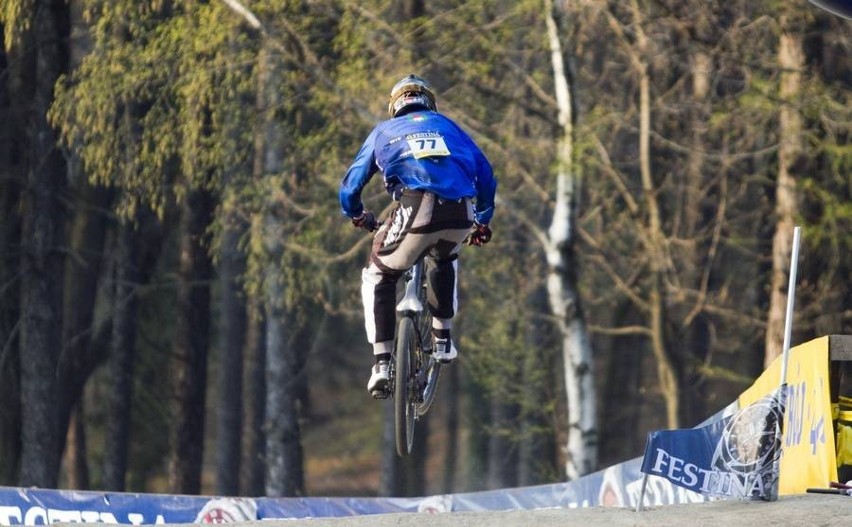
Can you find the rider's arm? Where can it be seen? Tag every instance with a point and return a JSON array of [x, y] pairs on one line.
[[486, 188], [358, 175], [485, 183]]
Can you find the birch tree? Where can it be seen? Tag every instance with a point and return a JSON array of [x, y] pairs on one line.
[[581, 448]]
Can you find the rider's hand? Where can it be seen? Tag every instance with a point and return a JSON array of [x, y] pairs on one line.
[[366, 220], [480, 236]]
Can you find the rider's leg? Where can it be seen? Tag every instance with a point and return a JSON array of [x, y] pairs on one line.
[[442, 304], [378, 293], [421, 222], [451, 223], [392, 253], [442, 297], [442, 277]]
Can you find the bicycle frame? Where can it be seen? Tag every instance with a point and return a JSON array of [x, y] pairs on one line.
[[410, 302], [411, 306]]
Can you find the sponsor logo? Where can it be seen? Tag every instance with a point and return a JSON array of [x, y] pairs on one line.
[[436, 504], [745, 461], [226, 510], [713, 482], [46, 516]]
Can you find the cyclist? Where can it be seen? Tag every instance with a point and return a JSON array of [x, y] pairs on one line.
[[444, 190]]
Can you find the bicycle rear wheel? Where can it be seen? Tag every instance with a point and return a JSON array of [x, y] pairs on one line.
[[405, 384], [428, 369]]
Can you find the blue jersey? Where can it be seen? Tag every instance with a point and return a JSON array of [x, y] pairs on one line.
[[422, 150]]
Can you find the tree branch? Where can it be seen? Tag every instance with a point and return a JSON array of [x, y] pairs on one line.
[[620, 331], [244, 12]]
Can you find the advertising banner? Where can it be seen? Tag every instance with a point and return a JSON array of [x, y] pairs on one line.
[[684, 465], [617, 486], [734, 457], [809, 452]]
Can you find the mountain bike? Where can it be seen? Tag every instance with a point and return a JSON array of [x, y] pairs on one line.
[[413, 370]]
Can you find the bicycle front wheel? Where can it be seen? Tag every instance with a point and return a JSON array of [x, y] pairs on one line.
[[405, 383]]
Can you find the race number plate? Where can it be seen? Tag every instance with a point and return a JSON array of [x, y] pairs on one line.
[[428, 144]]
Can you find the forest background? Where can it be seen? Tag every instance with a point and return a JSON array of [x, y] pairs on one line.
[[179, 292]]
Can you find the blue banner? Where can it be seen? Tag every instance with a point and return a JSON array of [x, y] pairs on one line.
[[617, 486], [735, 457]]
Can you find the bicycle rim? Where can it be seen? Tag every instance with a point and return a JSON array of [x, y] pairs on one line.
[[404, 382]]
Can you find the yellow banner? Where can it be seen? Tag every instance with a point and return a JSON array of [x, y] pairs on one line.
[[808, 455]]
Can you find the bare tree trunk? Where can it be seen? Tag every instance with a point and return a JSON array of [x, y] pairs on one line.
[[414, 466], [284, 473], [11, 127], [698, 258], [390, 473], [82, 276], [478, 407], [666, 371], [621, 434], [408, 9], [452, 393], [283, 432], [286, 403], [791, 61], [702, 65], [581, 450], [254, 456], [192, 344], [230, 384], [137, 249], [538, 456], [41, 58], [502, 448], [76, 456], [233, 325], [654, 239], [120, 364], [10, 414]]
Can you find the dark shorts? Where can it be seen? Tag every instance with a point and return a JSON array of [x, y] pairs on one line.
[[421, 223]]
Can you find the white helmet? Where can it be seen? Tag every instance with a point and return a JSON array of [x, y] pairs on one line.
[[410, 91]]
